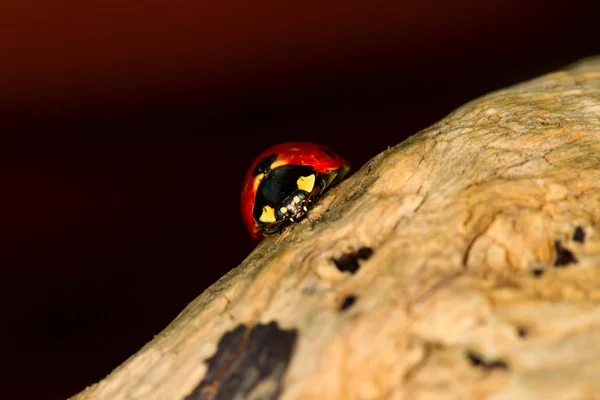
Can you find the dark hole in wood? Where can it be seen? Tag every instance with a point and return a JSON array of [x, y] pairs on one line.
[[247, 357], [564, 256], [479, 362], [364, 253], [579, 235], [537, 272], [522, 332], [348, 302], [350, 262]]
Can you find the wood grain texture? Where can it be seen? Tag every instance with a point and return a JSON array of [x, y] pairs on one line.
[[480, 278]]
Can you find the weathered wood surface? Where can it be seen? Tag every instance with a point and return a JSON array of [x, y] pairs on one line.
[[483, 281]]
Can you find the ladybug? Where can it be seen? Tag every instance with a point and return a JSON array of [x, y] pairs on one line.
[[284, 181]]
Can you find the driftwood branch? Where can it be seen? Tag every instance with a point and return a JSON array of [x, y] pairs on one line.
[[463, 263]]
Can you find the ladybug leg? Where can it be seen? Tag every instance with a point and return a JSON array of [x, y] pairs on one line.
[[320, 186], [323, 182], [340, 174], [330, 177], [274, 227], [334, 177]]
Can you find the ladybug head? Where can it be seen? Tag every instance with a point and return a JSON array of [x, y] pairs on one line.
[[284, 194]]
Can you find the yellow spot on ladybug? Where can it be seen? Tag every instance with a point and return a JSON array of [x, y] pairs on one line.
[[296, 199], [283, 210], [268, 215], [277, 163], [306, 183], [257, 179]]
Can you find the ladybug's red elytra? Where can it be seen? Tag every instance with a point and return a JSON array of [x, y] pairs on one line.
[[284, 181]]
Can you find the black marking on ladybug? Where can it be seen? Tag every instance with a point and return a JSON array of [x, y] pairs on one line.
[[348, 302], [264, 165], [478, 361], [537, 272], [327, 151], [579, 235], [278, 186], [245, 359], [564, 256], [350, 261]]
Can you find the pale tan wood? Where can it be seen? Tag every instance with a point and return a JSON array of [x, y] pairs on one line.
[[458, 216]]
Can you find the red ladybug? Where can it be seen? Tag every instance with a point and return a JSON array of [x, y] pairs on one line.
[[284, 181]]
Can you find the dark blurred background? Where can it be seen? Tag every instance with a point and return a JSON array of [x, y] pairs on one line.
[[127, 128]]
